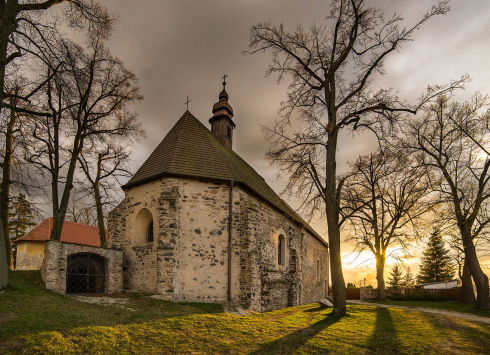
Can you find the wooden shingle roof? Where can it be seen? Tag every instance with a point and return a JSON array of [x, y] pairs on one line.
[[191, 150]]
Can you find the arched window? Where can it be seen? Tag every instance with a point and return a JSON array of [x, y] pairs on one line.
[[149, 233], [281, 250], [144, 229]]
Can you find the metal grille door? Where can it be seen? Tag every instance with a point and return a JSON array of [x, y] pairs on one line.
[[86, 273]]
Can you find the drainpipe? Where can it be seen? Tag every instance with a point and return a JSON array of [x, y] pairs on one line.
[[230, 225]]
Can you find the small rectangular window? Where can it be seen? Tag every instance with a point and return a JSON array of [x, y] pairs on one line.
[[228, 133]]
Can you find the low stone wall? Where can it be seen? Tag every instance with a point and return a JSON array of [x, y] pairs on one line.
[[53, 270]]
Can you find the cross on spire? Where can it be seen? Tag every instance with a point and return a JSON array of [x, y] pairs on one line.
[[187, 102], [224, 81]]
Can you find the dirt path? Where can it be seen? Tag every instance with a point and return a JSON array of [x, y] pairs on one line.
[[429, 310]]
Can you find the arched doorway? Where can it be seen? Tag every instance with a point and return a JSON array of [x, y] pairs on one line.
[[86, 273]]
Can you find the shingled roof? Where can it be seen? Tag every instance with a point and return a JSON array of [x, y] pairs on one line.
[[191, 150], [71, 233]]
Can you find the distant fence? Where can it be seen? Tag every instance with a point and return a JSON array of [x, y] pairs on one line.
[[449, 293], [353, 293]]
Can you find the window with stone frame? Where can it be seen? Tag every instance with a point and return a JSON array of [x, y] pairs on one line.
[[281, 250], [149, 233]]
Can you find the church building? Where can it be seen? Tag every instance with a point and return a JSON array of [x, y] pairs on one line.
[[199, 224]]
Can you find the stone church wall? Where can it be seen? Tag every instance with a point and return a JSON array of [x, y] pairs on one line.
[[202, 262], [265, 284], [128, 225], [188, 260]]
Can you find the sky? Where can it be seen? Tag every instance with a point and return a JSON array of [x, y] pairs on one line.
[[183, 48]]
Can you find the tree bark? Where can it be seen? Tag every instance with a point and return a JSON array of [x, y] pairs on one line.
[[332, 211], [4, 270], [100, 217], [481, 280], [380, 270], [467, 285], [5, 187]]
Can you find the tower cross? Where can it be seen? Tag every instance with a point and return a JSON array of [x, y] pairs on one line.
[[224, 81], [187, 102]]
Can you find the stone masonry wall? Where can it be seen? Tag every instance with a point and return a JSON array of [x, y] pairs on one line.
[[148, 266], [266, 285], [190, 255], [202, 262], [53, 270]]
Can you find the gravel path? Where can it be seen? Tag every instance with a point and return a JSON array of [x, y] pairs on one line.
[[429, 310]]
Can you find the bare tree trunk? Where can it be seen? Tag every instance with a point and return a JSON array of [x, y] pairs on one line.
[[4, 270], [467, 285], [481, 280], [380, 270], [5, 187], [100, 217], [338, 283]]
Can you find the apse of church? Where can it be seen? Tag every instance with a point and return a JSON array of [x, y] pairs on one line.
[[199, 224]]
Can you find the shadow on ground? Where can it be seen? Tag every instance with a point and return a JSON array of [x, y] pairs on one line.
[[293, 341]]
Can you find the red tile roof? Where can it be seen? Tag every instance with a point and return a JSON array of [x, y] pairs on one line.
[[71, 233]]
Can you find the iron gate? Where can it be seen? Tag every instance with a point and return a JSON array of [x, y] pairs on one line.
[[86, 273]]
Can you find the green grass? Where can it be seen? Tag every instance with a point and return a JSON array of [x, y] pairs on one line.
[[449, 305], [36, 321]]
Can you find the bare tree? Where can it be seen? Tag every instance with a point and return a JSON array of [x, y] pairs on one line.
[[23, 34], [332, 67], [103, 171], [454, 139], [386, 193], [89, 97]]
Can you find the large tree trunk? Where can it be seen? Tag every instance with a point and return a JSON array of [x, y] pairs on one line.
[[4, 270], [100, 217], [5, 187], [481, 280], [338, 283], [467, 285], [380, 270]]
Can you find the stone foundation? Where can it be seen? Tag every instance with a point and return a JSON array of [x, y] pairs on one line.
[[53, 269]]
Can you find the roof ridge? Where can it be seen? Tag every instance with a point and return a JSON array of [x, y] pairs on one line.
[[80, 224]]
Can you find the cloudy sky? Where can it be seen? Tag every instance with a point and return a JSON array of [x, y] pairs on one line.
[[180, 48]]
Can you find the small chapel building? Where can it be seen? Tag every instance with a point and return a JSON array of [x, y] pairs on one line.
[[199, 224]]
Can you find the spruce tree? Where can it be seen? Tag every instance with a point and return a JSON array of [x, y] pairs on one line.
[[395, 280], [21, 217], [408, 280], [436, 262]]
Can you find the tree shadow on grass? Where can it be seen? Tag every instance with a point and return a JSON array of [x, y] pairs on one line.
[[384, 338], [291, 342], [477, 340]]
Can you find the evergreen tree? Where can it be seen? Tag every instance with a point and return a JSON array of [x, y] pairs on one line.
[[395, 280], [21, 217], [408, 280], [436, 262]]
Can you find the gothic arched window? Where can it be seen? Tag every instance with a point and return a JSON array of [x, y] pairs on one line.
[[149, 233], [281, 250]]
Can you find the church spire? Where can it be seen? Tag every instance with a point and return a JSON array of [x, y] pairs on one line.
[[222, 125]]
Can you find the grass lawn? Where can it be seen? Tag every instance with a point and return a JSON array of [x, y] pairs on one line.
[[450, 306], [36, 321]]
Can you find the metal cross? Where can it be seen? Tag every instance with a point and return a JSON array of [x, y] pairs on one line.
[[187, 102], [224, 81]]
